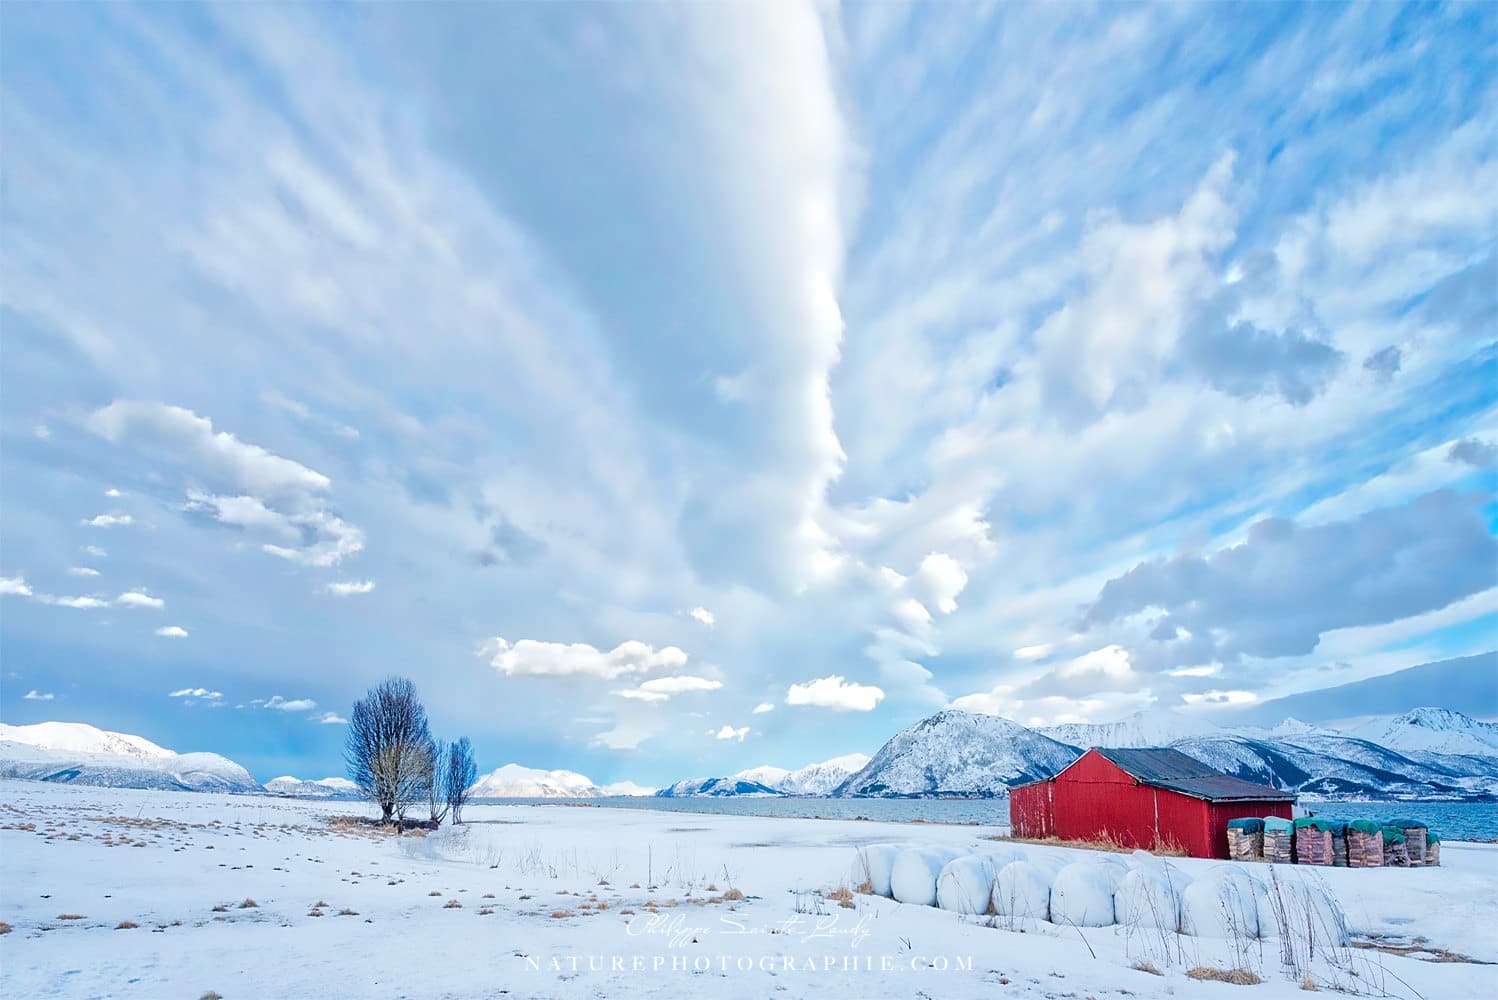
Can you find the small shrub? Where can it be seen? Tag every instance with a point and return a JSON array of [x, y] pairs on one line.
[[248, 904], [733, 895], [1240, 977], [126, 925]]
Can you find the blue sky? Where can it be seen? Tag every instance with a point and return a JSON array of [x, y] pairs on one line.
[[668, 390]]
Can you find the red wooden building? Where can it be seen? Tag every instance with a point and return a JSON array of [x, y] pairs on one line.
[[1147, 798]]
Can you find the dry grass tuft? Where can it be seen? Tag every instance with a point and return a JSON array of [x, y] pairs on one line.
[[733, 895], [221, 908], [626, 912], [4, 927], [1308, 984], [1149, 967], [1239, 977], [346, 912], [211, 995], [484, 911], [559, 914], [434, 892], [248, 904], [1168, 849], [452, 904], [70, 916], [126, 925]]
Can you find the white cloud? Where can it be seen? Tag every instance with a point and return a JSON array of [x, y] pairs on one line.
[[290, 704], [107, 520], [190, 438], [82, 571], [72, 602], [730, 733], [35, 695], [195, 693], [338, 540], [762, 708], [14, 586], [534, 658], [1033, 652], [242, 512], [662, 688], [135, 599], [113, 493], [704, 616], [172, 632], [346, 588], [1220, 699], [835, 693], [330, 719], [94, 551]]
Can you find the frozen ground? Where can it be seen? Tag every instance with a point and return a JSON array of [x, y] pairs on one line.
[[588, 902]]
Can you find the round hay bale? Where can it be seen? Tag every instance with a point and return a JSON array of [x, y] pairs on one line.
[[1147, 897], [1082, 895], [871, 867], [1022, 890], [913, 877], [965, 884]]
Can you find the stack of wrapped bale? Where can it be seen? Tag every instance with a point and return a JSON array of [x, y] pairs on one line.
[[1313, 841], [1432, 847], [1414, 839], [1396, 855], [1365, 844], [1246, 839], [1339, 845], [1279, 841]]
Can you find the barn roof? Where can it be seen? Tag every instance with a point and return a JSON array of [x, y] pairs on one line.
[[1170, 769]]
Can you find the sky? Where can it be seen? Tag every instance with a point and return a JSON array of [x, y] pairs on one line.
[[669, 389]]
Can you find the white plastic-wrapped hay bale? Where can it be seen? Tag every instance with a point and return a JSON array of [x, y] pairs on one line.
[[1148, 897], [912, 879], [1309, 912], [1214, 907], [1254, 894], [1022, 890], [1082, 895], [871, 867], [965, 884], [1113, 868]]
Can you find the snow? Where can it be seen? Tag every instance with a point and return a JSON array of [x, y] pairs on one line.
[[1149, 897], [1215, 907], [1433, 730], [1150, 728], [874, 864], [203, 850], [1082, 895], [813, 779], [315, 788]]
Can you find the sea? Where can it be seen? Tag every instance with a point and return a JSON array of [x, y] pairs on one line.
[[1452, 820]]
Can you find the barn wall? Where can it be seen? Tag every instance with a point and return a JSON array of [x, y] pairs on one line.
[[1030, 813], [1096, 799]]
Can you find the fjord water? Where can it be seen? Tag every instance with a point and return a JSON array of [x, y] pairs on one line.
[[1452, 820]]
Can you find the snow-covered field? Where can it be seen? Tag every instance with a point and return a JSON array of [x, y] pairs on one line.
[[552, 900]]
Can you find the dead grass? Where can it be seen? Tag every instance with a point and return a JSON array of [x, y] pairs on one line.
[[434, 892], [1149, 967], [211, 995], [346, 912], [70, 916], [221, 908], [733, 896], [452, 904], [484, 911], [559, 914], [248, 904], [126, 925], [1169, 849], [1308, 984], [4, 927], [842, 895], [1238, 977]]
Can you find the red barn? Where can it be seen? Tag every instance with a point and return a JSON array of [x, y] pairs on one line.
[[1148, 798]]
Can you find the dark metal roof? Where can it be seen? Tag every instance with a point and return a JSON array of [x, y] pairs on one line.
[[1170, 769]]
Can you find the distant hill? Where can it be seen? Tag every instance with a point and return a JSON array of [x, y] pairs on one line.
[[1142, 729], [76, 753], [813, 779], [514, 781], [319, 788], [715, 788]]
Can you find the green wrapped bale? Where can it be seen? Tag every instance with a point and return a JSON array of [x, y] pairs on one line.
[[1246, 839], [1365, 844]]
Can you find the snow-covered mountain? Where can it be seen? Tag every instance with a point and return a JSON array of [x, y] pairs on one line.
[[320, 788], [82, 754], [813, 779], [1142, 729], [1433, 730], [959, 754], [627, 789], [715, 787], [514, 781]]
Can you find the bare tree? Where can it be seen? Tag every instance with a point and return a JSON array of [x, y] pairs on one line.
[[461, 774], [388, 749], [438, 802]]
